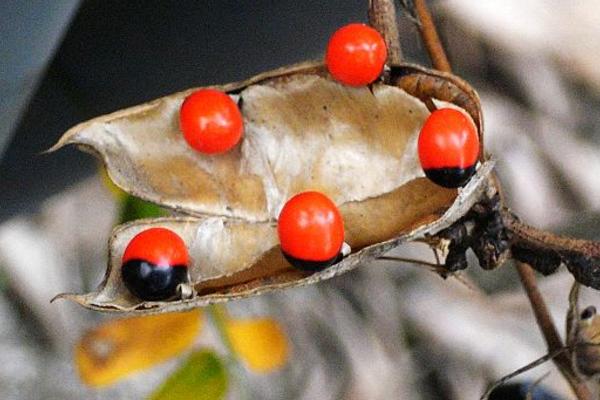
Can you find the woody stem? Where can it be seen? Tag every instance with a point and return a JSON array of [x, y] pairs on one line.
[[430, 37], [382, 17]]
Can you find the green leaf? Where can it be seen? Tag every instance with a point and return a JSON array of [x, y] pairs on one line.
[[201, 377], [133, 208]]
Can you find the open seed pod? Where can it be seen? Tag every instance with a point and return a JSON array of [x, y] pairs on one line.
[[302, 131]]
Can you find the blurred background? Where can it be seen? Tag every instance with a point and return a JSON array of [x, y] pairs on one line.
[[382, 331]]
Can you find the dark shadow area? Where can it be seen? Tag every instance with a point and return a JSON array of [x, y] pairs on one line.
[[117, 54]]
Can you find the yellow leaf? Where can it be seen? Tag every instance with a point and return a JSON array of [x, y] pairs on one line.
[[118, 348], [261, 343]]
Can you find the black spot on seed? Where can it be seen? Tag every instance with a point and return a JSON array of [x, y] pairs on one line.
[[150, 281], [311, 266], [450, 177]]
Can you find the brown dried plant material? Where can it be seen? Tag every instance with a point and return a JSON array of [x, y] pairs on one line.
[[302, 131], [235, 259]]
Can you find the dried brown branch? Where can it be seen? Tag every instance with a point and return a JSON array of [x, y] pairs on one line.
[[382, 16], [494, 234], [531, 365], [542, 316], [550, 333], [431, 38], [545, 251]]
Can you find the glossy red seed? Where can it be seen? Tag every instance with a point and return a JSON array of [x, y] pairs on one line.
[[310, 227], [210, 121], [155, 263], [159, 246], [356, 54], [448, 147]]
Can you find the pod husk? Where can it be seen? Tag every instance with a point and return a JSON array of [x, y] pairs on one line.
[[303, 131]]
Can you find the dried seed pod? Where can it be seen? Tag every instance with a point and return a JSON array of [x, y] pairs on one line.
[[586, 352], [583, 335], [303, 131], [233, 259]]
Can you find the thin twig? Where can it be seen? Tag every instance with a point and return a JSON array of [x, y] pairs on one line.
[[542, 315], [573, 313], [431, 38], [550, 333], [521, 370], [382, 16], [437, 268], [535, 363], [432, 266]]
